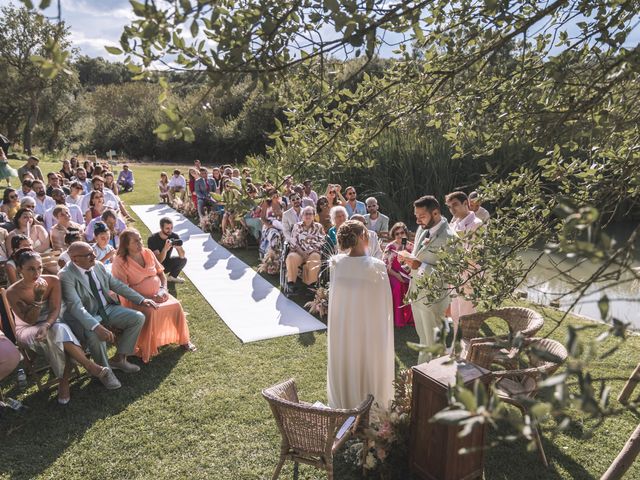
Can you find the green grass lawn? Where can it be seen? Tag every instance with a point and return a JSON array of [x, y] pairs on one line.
[[201, 415]]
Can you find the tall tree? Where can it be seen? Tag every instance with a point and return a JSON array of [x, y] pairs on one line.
[[25, 34]]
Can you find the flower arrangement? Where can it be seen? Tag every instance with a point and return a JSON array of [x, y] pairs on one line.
[[236, 238], [320, 302], [210, 222], [270, 264], [387, 437], [187, 208]]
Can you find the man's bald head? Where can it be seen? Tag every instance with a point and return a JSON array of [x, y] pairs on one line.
[[82, 255]]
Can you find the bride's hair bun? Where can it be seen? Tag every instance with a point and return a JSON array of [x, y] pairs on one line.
[[348, 234]]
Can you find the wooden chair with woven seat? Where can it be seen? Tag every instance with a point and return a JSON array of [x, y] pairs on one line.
[[519, 386], [33, 367], [519, 320], [311, 434]]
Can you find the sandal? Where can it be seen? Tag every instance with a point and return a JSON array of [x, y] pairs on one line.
[[190, 347]]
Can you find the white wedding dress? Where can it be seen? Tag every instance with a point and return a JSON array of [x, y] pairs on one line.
[[360, 339]]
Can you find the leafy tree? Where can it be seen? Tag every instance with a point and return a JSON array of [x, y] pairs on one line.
[[98, 71], [25, 39]]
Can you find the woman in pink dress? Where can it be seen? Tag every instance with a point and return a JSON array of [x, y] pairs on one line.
[[139, 268], [398, 277]]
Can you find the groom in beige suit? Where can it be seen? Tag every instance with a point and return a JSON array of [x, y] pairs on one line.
[[432, 235]]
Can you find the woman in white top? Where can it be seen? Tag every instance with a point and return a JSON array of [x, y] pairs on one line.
[[24, 222], [360, 325]]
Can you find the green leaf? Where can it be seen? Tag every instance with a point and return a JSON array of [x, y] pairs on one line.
[[113, 50], [194, 28], [467, 398], [45, 4], [452, 417], [188, 135], [28, 4]]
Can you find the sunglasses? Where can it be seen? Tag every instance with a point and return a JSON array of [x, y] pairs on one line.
[[85, 255], [351, 193], [294, 199]]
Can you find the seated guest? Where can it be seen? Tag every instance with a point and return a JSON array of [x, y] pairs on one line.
[[63, 223], [55, 181], [125, 179], [398, 277], [252, 218], [352, 205], [334, 196], [3, 245], [74, 163], [163, 188], [43, 201], [235, 177], [323, 215], [162, 244], [307, 241], [308, 191], [193, 176], [475, 206], [60, 198], [115, 224], [110, 199], [177, 186], [10, 203], [26, 190], [90, 310], [25, 225], [89, 168], [73, 235], [96, 206], [82, 179], [9, 357], [36, 301], [204, 187], [19, 243], [31, 167], [374, 220], [338, 217], [102, 248], [77, 192], [110, 183], [66, 171], [138, 267], [304, 200], [292, 216], [374, 243]]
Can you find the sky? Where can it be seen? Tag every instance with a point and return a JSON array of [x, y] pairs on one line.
[[96, 23]]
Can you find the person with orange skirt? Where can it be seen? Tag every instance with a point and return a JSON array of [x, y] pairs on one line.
[[138, 268]]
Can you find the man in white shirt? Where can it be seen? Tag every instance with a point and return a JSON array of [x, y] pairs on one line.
[[43, 202], [464, 222], [474, 206], [177, 184], [375, 220], [292, 216], [60, 199], [26, 190], [374, 242]]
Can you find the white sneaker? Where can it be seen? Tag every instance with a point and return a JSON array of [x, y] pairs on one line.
[[175, 279]]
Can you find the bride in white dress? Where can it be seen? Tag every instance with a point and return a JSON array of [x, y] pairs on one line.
[[360, 338]]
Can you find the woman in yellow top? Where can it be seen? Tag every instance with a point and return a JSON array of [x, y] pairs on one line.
[[10, 203]]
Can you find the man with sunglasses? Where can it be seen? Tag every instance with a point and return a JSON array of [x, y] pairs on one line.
[[91, 311], [354, 206], [292, 216]]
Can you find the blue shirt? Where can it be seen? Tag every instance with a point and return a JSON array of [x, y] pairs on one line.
[[360, 209]]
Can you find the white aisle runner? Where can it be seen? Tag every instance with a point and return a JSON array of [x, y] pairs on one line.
[[250, 306]]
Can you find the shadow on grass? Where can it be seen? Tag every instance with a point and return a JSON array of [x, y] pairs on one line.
[[34, 439]]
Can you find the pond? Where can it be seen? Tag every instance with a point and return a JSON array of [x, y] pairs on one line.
[[554, 280]]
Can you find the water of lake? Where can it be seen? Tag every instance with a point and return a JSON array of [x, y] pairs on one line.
[[554, 280]]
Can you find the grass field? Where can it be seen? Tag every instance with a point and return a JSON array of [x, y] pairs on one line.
[[200, 415]]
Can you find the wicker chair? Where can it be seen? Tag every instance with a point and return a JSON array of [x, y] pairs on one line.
[[518, 387], [520, 320], [311, 434]]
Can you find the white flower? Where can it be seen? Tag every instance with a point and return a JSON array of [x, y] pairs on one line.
[[370, 462]]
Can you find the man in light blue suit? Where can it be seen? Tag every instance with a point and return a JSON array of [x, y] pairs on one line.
[[432, 236]]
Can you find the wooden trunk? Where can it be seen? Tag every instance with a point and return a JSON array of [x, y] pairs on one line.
[[433, 446]]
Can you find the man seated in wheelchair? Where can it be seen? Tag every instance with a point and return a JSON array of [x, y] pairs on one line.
[[305, 248]]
